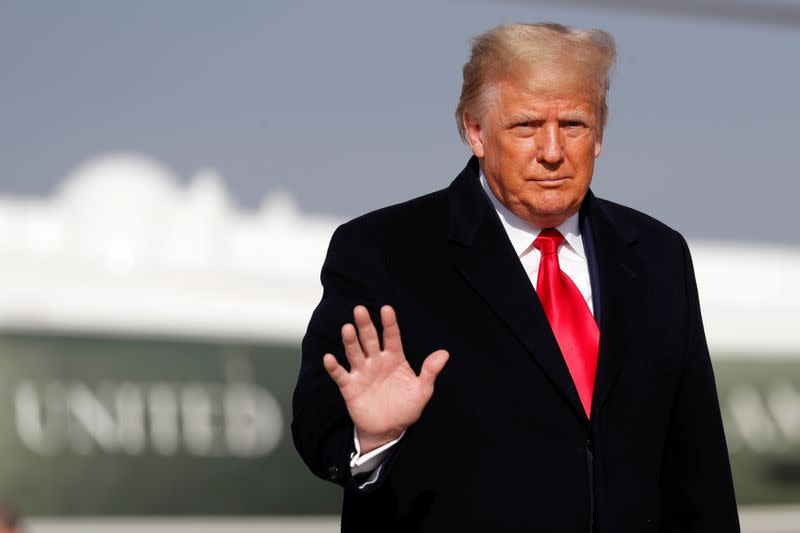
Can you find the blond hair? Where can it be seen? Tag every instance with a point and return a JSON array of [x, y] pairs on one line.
[[509, 50]]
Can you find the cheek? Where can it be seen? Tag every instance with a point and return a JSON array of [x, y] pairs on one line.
[[583, 156], [520, 153]]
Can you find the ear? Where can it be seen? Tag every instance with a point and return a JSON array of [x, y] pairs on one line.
[[473, 128], [598, 145]]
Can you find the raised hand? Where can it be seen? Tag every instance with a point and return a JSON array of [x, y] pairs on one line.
[[382, 393]]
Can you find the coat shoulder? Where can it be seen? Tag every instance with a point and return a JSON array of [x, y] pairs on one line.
[[413, 219], [634, 222]]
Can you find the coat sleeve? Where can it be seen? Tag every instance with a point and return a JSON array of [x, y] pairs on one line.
[[354, 273], [696, 484]]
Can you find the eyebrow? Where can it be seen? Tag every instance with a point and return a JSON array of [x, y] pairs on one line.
[[579, 116], [524, 118], [576, 116]]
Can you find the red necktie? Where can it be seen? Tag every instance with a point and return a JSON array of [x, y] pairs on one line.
[[573, 324]]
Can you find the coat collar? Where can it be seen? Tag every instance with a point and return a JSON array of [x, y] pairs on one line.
[[615, 266], [484, 256], [468, 205]]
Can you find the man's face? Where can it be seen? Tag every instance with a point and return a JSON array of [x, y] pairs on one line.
[[537, 140]]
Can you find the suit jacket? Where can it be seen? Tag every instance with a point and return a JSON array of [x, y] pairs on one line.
[[504, 444]]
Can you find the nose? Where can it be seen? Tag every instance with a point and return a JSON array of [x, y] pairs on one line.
[[548, 144]]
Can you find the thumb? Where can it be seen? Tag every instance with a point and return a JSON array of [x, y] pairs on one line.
[[432, 365]]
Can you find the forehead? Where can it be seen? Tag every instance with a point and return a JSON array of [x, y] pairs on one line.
[[545, 86]]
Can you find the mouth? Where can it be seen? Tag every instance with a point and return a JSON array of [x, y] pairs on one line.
[[552, 181]]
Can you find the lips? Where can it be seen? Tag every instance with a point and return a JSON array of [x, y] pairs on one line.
[[552, 179]]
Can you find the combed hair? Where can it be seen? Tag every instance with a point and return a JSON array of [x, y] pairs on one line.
[[508, 50]]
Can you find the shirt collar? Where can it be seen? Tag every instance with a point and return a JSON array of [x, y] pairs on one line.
[[522, 234]]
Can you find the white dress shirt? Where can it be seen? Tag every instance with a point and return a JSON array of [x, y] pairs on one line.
[[571, 255], [571, 258]]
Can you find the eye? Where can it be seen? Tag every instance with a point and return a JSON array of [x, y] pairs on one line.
[[528, 124], [573, 124]]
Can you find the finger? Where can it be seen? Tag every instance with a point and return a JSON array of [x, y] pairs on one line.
[[391, 330], [432, 365], [352, 348], [366, 331], [335, 370]]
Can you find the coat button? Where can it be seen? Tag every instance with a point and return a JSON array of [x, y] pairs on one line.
[[333, 473]]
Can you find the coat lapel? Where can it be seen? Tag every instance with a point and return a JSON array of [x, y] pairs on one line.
[[483, 255], [616, 267]]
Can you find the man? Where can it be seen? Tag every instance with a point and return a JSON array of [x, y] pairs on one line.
[[552, 373]]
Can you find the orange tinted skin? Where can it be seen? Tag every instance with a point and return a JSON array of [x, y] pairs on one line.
[[537, 142]]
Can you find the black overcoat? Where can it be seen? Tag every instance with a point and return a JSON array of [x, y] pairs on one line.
[[504, 444]]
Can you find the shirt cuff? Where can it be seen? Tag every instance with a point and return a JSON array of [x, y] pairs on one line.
[[363, 464]]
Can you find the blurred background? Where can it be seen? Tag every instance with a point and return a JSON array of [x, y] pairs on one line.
[[171, 172]]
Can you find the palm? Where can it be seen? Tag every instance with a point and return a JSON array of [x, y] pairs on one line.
[[382, 393]]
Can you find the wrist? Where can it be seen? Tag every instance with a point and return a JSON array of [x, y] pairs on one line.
[[371, 441]]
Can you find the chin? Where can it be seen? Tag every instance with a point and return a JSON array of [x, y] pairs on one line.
[[556, 204], [552, 215], [552, 210]]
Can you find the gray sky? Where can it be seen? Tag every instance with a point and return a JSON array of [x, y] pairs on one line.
[[349, 105]]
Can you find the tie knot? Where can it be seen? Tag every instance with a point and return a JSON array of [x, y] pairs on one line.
[[548, 241]]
